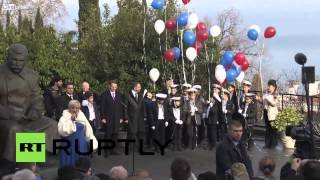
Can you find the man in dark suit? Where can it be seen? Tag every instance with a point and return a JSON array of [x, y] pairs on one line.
[[65, 98], [134, 113], [112, 112], [214, 115], [231, 151], [51, 96]]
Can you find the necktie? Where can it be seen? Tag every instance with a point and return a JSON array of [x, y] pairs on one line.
[[113, 95], [137, 96]]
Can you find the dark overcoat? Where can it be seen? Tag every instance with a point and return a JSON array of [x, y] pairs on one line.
[[112, 110], [134, 113]]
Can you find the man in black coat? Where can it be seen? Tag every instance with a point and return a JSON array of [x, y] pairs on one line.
[[231, 151], [214, 115], [112, 112], [51, 96], [65, 98], [134, 113]]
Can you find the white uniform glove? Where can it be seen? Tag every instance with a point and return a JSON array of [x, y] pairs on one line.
[[177, 122], [211, 104], [181, 122], [240, 111], [244, 115], [166, 123], [85, 103], [153, 127], [195, 109]]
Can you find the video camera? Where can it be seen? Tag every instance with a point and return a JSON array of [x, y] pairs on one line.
[[306, 148]]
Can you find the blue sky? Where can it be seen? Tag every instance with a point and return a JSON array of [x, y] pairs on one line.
[[297, 23]]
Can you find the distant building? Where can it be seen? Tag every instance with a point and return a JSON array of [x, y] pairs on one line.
[[295, 87]]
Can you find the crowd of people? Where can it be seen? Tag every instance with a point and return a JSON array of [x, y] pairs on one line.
[[181, 114]]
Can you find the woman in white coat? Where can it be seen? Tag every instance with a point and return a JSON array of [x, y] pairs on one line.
[[74, 127]]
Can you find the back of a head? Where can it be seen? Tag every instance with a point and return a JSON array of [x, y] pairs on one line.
[[83, 164], [311, 170], [207, 176], [68, 172], [180, 169], [239, 172], [143, 174], [267, 166], [103, 176], [118, 173], [24, 174]]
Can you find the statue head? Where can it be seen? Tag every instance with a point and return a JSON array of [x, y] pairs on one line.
[[17, 56]]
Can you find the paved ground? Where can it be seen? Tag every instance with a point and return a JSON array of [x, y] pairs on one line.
[[159, 166]]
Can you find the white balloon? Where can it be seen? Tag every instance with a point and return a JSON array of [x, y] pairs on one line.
[[215, 31], [159, 26], [191, 53], [154, 74], [240, 77], [193, 21], [220, 74], [149, 2], [219, 67], [255, 27]]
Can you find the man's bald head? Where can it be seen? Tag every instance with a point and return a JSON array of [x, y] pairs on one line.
[[17, 55]]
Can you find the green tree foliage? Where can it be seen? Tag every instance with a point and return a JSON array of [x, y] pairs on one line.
[[38, 21]]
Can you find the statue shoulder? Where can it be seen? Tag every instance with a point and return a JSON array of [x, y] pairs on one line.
[[31, 72]]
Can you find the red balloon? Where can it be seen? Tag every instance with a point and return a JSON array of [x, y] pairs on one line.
[[185, 1], [239, 58], [169, 55], [270, 32], [202, 36], [201, 26], [171, 24], [223, 84], [245, 65], [198, 46]]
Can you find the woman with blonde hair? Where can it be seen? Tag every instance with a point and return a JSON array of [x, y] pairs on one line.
[[74, 127]]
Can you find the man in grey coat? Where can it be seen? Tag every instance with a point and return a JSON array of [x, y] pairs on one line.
[[21, 104]]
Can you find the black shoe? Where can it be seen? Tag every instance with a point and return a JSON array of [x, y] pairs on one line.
[[115, 153]]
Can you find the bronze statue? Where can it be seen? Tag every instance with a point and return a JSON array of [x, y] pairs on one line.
[[21, 105]]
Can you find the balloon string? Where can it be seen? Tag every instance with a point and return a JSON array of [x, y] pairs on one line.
[[193, 72], [165, 19], [208, 63], [162, 60], [183, 68], [144, 57]]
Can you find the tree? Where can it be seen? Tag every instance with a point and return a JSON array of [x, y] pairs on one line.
[[89, 18], [51, 10], [38, 20]]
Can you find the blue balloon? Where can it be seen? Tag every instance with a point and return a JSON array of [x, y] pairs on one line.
[[182, 19], [228, 57], [223, 62], [231, 75], [253, 34], [237, 68], [177, 52], [158, 4], [189, 38]]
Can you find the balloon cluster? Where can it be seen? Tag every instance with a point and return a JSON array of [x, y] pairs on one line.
[[172, 54], [254, 32], [232, 67], [195, 33]]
